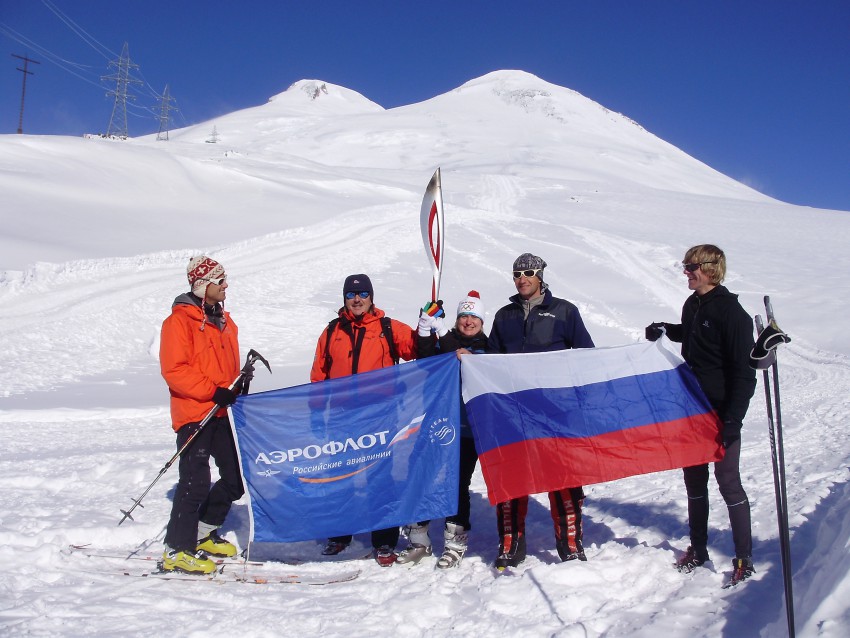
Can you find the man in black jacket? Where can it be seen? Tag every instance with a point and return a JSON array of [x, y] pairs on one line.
[[716, 334], [537, 321]]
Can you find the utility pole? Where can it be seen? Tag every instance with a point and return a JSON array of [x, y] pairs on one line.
[[118, 121], [163, 114], [26, 72]]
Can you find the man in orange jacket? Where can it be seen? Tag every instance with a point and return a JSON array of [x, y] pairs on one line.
[[361, 339], [199, 359]]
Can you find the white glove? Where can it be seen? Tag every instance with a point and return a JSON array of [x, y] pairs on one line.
[[439, 327], [426, 323]]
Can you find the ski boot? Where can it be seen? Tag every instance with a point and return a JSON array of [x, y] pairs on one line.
[[385, 555], [419, 544], [332, 548], [511, 551], [215, 545], [187, 562], [456, 543], [566, 553]]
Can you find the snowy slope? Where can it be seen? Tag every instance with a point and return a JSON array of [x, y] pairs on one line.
[[319, 183]]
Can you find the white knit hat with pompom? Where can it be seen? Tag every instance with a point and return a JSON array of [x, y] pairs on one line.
[[472, 305]]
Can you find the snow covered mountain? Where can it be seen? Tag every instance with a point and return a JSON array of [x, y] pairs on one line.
[[319, 183]]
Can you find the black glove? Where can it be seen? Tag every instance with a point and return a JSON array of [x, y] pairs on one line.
[[731, 433], [654, 332], [763, 355], [224, 396]]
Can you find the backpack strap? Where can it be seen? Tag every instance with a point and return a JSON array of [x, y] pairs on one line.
[[326, 368], [387, 327]]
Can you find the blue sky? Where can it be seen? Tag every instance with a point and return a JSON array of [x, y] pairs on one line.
[[758, 90]]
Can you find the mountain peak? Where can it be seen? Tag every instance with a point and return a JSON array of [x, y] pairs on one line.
[[317, 96]]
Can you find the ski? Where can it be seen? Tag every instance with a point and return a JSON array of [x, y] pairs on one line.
[[149, 556], [153, 557], [224, 576]]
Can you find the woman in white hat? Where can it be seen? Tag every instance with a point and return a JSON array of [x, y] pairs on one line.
[[467, 336]]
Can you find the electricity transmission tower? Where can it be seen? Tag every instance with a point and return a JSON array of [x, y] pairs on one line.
[[118, 121], [163, 114], [23, 88]]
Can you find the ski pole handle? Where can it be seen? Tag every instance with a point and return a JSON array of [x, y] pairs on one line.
[[768, 308]]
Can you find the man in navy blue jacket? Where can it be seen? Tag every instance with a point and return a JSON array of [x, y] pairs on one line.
[[537, 321]]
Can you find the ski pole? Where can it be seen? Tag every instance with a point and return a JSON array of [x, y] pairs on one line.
[[778, 461], [786, 558], [247, 369]]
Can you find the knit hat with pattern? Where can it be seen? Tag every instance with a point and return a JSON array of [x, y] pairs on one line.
[[201, 271]]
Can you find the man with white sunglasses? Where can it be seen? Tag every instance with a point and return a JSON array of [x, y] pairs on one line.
[[537, 321]]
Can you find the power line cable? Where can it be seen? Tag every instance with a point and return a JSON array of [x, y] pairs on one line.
[[82, 33]]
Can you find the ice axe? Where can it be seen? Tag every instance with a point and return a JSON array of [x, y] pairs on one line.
[[245, 375]]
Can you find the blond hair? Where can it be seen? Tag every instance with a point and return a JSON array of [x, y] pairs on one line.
[[713, 261]]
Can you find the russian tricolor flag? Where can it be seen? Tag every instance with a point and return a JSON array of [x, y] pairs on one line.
[[552, 420]]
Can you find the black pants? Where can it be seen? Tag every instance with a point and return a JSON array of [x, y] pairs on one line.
[[728, 477], [468, 460], [193, 499]]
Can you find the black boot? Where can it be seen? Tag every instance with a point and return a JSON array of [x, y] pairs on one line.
[[566, 553], [511, 551]]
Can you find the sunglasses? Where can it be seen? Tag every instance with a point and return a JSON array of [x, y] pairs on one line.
[[218, 281], [364, 294], [695, 267], [526, 273]]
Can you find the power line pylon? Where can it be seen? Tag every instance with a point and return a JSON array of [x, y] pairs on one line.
[[26, 72], [163, 114], [118, 121]]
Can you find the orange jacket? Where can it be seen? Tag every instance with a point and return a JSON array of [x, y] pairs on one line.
[[195, 362], [360, 346]]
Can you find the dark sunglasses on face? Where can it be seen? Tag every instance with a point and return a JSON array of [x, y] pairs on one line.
[[218, 281], [363, 294], [526, 273], [695, 267]]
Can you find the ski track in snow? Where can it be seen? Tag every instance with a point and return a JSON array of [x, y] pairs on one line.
[[633, 527]]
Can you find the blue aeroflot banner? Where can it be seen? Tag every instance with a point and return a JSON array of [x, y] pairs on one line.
[[354, 454]]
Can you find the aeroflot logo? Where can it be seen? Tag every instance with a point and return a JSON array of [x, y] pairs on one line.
[[359, 454], [442, 432], [331, 448]]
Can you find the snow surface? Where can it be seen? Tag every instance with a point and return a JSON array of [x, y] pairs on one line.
[[317, 184]]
